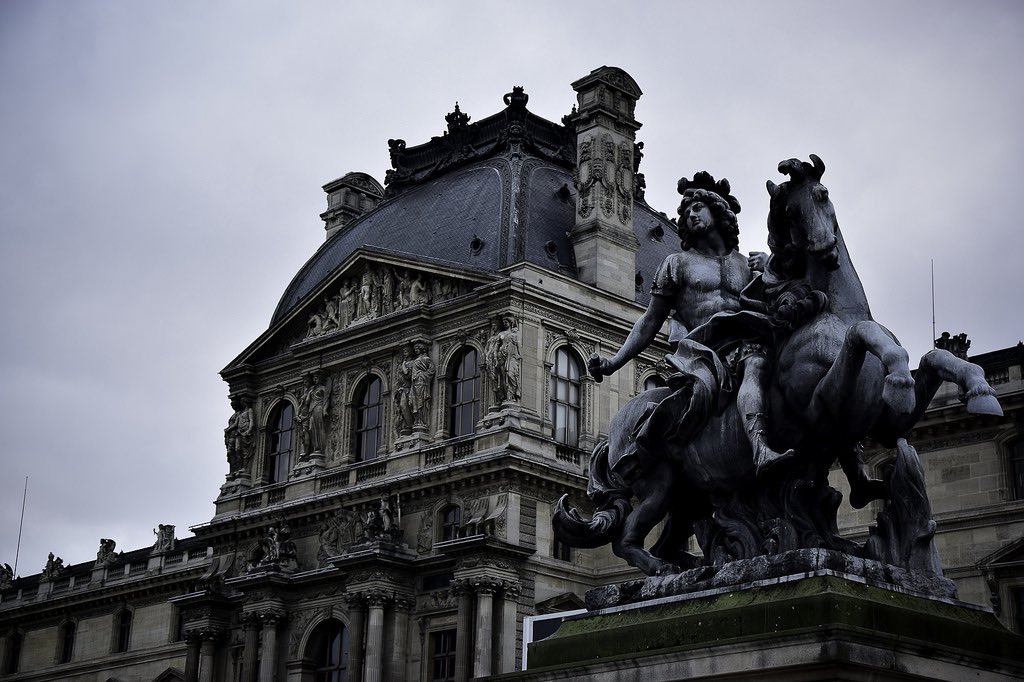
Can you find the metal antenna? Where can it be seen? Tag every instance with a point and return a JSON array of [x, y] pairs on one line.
[[933, 304], [17, 552]]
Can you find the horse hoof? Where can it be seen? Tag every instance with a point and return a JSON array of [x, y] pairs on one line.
[[984, 403]]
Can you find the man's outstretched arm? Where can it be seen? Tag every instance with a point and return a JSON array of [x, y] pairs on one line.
[[644, 331]]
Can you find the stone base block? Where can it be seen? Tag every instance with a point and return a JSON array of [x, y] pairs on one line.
[[823, 627]]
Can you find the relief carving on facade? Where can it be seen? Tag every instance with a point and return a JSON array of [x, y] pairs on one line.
[[337, 534], [384, 524], [376, 291], [425, 535], [276, 550]]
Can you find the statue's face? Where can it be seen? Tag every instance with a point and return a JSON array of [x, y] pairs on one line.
[[699, 218]]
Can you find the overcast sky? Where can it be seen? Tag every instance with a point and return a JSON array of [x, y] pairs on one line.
[[161, 168]]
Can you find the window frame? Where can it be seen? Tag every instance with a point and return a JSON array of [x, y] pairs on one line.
[[67, 634], [122, 634], [279, 459], [449, 522], [459, 408], [443, 650], [321, 649], [572, 412], [361, 408]]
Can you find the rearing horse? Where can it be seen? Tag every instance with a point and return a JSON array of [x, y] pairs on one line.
[[841, 376]]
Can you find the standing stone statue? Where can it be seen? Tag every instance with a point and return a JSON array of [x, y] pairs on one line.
[[509, 362], [164, 538], [423, 370], [312, 414], [106, 556], [6, 576], [54, 567], [239, 435], [403, 393]]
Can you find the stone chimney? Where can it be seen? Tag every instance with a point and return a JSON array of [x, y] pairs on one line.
[[602, 237], [349, 197]]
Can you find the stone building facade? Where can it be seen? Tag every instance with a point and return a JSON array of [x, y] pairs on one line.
[[418, 403]]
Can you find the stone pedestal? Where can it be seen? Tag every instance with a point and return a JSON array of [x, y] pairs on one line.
[[815, 626]]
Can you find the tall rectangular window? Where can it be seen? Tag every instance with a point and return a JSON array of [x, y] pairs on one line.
[[442, 644], [1017, 469]]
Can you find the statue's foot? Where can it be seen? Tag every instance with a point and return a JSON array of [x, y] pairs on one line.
[[982, 400], [766, 458], [898, 393], [865, 490]]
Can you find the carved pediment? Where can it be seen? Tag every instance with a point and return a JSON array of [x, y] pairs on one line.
[[1009, 554], [370, 285]]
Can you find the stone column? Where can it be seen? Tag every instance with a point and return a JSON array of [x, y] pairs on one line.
[[400, 639], [484, 629], [375, 638], [464, 624], [356, 623], [250, 652], [193, 640], [207, 657], [270, 618], [508, 609]]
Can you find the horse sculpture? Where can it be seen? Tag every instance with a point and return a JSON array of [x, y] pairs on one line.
[[838, 377]]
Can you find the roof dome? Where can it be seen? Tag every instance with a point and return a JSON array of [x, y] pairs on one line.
[[485, 196]]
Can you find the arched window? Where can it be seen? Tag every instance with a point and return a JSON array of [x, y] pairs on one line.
[[464, 387], [653, 381], [564, 409], [450, 518], [369, 419], [122, 630], [66, 642], [280, 443], [328, 650]]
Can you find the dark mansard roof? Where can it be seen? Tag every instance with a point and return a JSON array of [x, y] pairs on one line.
[[483, 195]]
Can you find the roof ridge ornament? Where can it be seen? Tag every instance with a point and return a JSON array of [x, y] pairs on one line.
[[516, 99], [456, 119]]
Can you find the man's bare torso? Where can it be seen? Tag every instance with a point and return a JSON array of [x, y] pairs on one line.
[[702, 285]]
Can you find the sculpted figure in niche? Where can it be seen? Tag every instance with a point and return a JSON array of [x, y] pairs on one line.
[[403, 393], [509, 362], [239, 435], [312, 414], [690, 287], [423, 370]]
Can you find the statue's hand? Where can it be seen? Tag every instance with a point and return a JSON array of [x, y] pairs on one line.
[[598, 367], [757, 261]]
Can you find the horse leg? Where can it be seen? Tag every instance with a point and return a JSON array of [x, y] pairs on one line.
[[832, 394], [940, 365], [863, 488], [654, 493]]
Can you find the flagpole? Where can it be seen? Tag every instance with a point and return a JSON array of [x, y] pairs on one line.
[[21, 525]]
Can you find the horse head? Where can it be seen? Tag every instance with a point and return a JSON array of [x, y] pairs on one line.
[[801, 218]]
